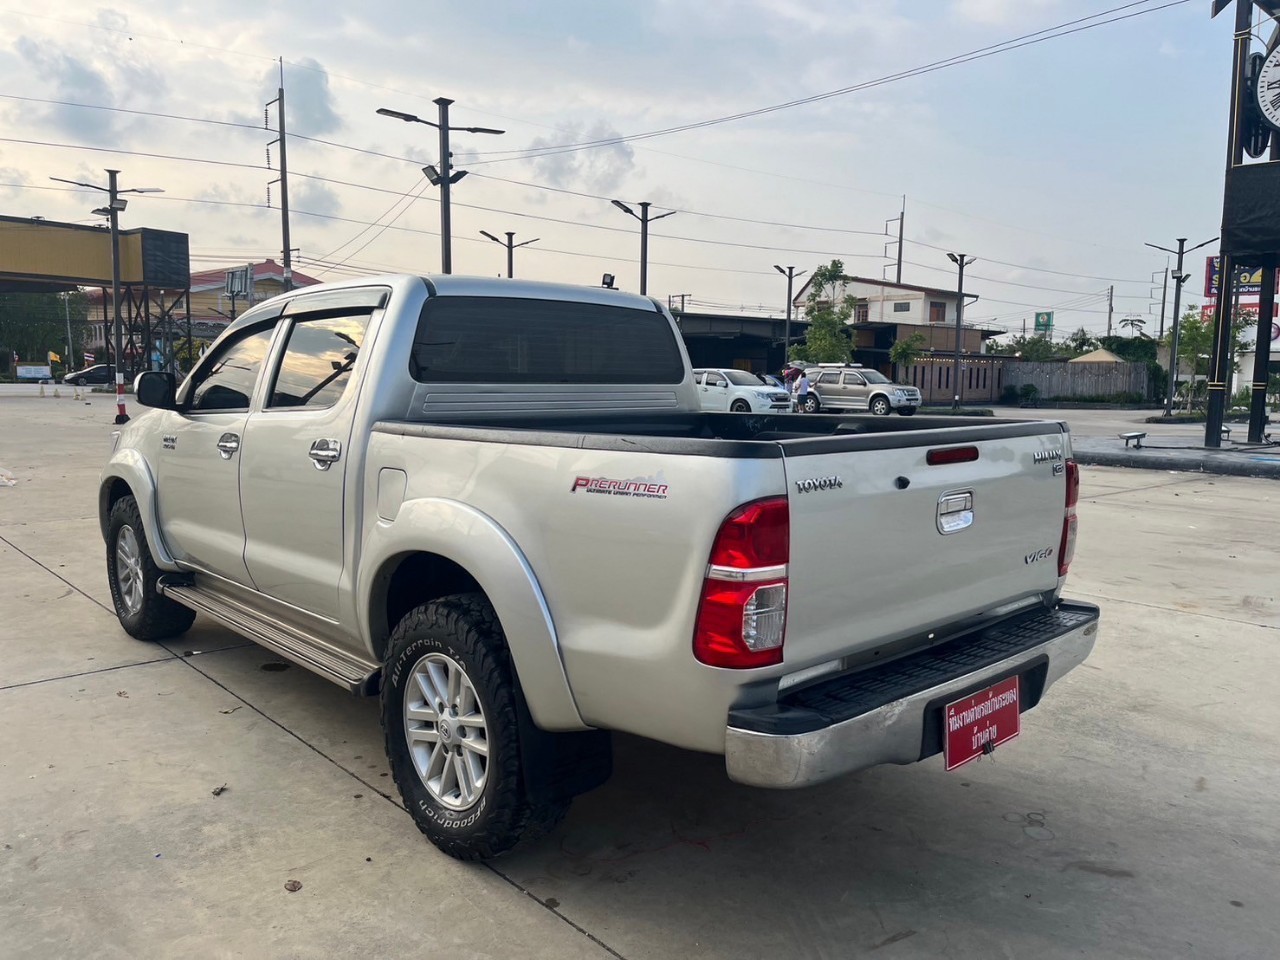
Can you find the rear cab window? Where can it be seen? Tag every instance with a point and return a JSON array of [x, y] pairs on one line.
[[515, 340]]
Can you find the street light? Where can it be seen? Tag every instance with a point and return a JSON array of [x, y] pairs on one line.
[[511, 245], [961, 261], [115, 205], [790, 274], [1179, 278], [445, 176], [645, 219]]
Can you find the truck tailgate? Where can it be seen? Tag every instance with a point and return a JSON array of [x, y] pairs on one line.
[[887, 545]]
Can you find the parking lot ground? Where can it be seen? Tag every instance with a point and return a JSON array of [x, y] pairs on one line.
[[1134, 817], [1096, 440]]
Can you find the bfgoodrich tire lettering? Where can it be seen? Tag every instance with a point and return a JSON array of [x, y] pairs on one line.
[[132, 575], [462, 630]]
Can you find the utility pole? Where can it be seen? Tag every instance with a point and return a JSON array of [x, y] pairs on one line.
[[1164, 296], [902, 219], [645, 220], [115, 204], [282, 139], [511, 245], [961, 261], [445, 176], [66, 309], [672, 297], [1179, 278], [790, 274], [1024, 328], [1110, 293]]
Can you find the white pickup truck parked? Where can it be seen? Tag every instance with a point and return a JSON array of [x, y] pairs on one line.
[[497, 506]]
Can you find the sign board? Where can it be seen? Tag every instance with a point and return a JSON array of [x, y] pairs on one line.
[[238, 281], [27, 371], [1044, 321], [1249, 284]]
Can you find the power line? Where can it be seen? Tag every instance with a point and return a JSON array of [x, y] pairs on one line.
[[1040, 36], [528, 184]]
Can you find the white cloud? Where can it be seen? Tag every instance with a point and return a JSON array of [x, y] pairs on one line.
[[1001, 11]]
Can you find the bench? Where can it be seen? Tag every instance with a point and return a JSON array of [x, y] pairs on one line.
[[1136, 438]]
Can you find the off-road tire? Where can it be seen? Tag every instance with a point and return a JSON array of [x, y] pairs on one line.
[[465, 628], [158, 618], [880, 406], [740, 406]]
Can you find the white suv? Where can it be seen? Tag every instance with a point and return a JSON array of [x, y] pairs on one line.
[[738, 391]]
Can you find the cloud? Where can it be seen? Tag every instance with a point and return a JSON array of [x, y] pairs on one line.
[[75, 81], [308, 99], [599, 169], [314, 197], [1000, 11]]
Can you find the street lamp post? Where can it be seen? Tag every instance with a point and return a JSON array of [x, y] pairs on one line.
[[445, 176], [115, 204], [511, 245], [790, 274], [1179, 278], [961, 261], [645, 220]]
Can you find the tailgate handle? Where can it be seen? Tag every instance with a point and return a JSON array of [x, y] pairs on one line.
[[955, 512]]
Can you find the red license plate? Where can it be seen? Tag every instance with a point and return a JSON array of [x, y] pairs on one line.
[[981, 722]]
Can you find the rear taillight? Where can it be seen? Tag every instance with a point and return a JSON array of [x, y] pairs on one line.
[[1067, 546], [742, 615]]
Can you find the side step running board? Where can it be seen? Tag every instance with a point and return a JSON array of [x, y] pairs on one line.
[[356, 674]]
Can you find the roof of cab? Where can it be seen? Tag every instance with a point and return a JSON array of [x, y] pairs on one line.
[[452, 285]]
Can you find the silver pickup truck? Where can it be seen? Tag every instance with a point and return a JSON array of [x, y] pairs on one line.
[[496, 505]]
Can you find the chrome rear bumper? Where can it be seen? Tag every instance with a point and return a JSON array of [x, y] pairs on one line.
[[807, 738]]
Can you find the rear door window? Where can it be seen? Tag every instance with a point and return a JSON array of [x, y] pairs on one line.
[[512, 340]]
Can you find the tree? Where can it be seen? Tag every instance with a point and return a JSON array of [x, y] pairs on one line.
[[828, 314], [1134, 325], [1036, 348], [906, 350], [1081, 342], [33, 324], [1195, 343], [185, 358]]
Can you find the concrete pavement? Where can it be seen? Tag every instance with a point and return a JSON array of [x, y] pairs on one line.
[[1133, 817], [1095, 436]]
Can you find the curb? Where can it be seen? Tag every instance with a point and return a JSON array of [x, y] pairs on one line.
[[1191, 464]]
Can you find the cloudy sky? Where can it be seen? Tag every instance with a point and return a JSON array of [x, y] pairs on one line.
[[1051, 163]]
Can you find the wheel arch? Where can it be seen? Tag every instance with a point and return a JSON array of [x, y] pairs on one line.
[[127, 474], [437, 547]]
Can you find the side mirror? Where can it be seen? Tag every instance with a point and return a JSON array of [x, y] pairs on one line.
[[155, 389], [723, 384]]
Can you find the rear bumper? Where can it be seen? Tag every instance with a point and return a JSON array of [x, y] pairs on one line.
[[892, 713]]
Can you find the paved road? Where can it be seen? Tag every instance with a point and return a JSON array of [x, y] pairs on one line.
[[1133, 819]]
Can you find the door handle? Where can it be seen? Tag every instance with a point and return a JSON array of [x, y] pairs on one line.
[[325, 452], [228, 444]]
